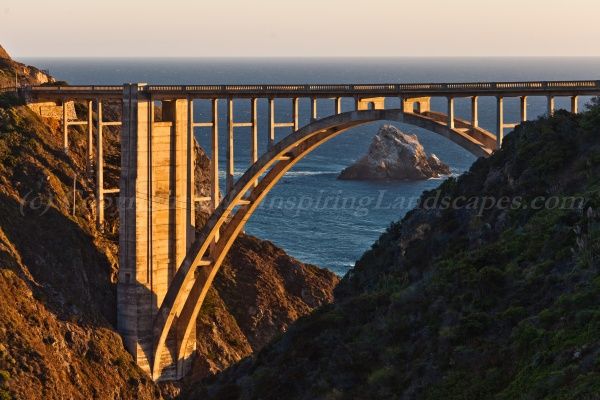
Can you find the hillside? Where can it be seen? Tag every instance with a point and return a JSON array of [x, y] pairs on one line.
[[58, 276], [465, 302], [24, 74]]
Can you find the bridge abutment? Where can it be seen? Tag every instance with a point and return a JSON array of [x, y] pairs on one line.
[[156, 228]]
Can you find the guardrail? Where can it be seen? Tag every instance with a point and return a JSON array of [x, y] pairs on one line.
[[342, 89], [4, 89]]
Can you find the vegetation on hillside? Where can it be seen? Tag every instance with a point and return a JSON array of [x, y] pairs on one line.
[[464, 302]]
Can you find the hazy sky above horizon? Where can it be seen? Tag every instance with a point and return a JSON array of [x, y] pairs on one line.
[[246, 28]]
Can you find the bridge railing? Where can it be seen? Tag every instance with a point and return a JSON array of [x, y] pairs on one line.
[[76, 88], [324, 89], [4, 89]]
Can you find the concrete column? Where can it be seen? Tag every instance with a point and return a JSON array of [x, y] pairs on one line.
[[154, 210], [295, 113], [271, 141], [313, 109], [90, 137], [338, 105], [574, 104], [475, 111], [550, 106], [65, 126], [451, 112], [254, 145], [499, 121], [230, 161], [190, 143], [99, 169], [214, 162], [523, 108]]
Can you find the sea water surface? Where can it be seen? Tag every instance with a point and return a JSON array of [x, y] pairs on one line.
[[311, 214]]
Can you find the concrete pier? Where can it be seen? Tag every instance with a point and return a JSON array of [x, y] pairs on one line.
[[295, 113], [90, 137], [550, 105], [271, 139], [499, 121], [475, 111], [451, 112], [65, 127], [230, 146], [214, 160], [523, 103], [99, 168], [156, 218]]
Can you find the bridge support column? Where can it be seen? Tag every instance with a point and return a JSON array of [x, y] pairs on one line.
[[338, 105], [574, 104], [65, 126], [155, 214], [230, 161], [214, 162], [314, 113], [90, 137], [254, 122], [475, 111], [451, 112], [295, 114], [271, 140], [550, 106], [523, 108], [99, 169], [499, 121]]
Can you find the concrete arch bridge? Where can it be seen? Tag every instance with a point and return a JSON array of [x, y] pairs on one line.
[[166, 265]]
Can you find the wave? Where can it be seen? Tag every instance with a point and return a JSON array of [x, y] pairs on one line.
[[309, 173], [289, 174], [444, 177]]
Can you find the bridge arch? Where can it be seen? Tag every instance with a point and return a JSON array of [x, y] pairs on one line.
[[193, 279]]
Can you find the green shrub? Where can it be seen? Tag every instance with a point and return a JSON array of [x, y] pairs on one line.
[[4, 377]]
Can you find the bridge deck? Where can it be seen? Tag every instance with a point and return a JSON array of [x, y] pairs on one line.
[[508, 89]]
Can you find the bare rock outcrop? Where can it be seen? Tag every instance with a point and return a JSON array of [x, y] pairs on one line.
[[24, 74], [395, 155], [3, 54]]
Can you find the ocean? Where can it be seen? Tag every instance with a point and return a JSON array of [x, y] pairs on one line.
[[312, 215]]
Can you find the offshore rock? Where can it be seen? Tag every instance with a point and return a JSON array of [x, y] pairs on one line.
[[395, 155]]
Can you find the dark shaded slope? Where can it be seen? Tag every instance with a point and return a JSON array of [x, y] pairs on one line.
[[463, 303]]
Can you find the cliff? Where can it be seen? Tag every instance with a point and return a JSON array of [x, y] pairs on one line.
[[463, 301], [25, 74], [394, 155], [58, 276]]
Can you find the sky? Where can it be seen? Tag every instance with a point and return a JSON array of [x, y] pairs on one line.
[[300, 28]]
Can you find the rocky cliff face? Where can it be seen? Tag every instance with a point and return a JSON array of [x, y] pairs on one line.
[[58, 277], [3, 54], [394, 155], [463, 302], [25, 74]]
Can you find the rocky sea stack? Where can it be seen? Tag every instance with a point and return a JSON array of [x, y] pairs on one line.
[[395, 155]]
